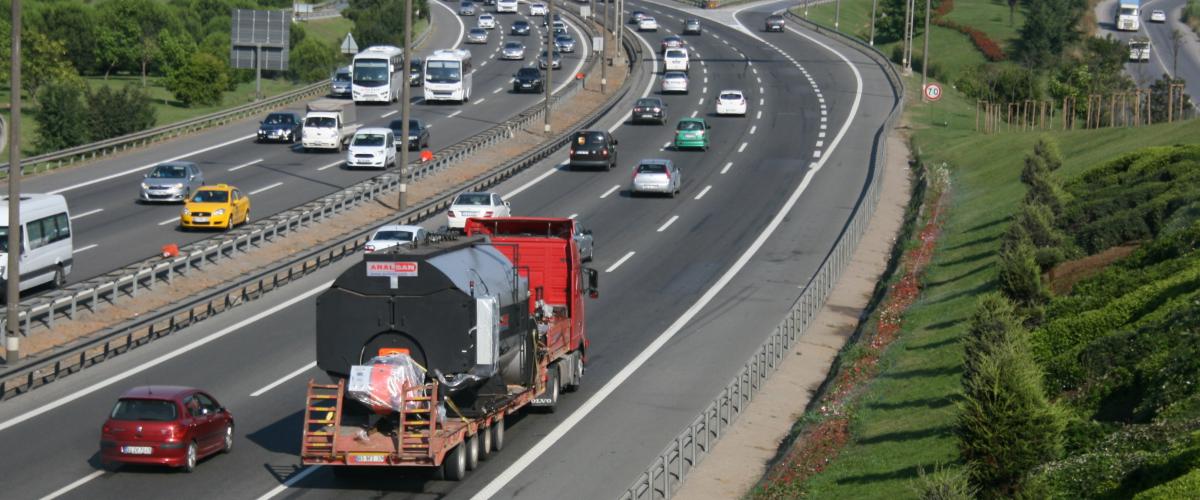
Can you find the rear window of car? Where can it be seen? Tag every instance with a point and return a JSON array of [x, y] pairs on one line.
[[690, 126], [676, 53], [652, 168], [731, 97], [589, 138], [674, 75], [473, 199], [149, 410], [646, 103], [394, 235]]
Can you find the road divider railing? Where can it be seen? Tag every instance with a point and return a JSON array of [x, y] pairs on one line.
[[47, 309], [669, 469], [116, 145], [132, 333]]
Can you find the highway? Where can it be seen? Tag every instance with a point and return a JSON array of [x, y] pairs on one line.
[[690, 286], [1162, 52], [112, 230]]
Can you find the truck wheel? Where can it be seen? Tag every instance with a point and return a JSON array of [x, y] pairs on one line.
[[485, 443], [454, 468], [497, 430], [472, 445]]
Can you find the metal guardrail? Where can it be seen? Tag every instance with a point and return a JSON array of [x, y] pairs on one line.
[[119, 339], [91, 151], [669, 469]]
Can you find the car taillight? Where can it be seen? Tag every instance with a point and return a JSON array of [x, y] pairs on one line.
[[668, 174], [604, 151], [487, 214], [450, 213], [106, 429]]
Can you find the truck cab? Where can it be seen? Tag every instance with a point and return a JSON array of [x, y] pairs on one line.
[[1129, 14], [1139, 49]]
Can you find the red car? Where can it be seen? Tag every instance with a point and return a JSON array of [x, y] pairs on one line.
[[165, 425]]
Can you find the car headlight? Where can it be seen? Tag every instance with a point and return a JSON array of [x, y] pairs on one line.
[[186, 211], [219, 212], [177, 185], [145, 186]]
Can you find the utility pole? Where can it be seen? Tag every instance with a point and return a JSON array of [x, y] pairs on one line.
[[909, 19], [874, 4], [12, 339], [604, 61], [837, 14], [549, 64], [925, 53], [406, 105], [618, 20]]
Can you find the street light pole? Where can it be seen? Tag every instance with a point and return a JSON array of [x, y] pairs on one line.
[[12, 339], [925, 53], [549, 63], [406, 105], [837, 14], [604, 49], [874, 3]]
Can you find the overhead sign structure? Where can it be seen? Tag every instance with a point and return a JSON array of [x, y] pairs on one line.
[[933, 91], [259, 40], [349, 46]]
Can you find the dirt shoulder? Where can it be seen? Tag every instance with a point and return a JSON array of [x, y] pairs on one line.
[[741, 457], [67, 333]]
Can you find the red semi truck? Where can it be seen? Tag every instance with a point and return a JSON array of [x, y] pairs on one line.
[[493, 322]]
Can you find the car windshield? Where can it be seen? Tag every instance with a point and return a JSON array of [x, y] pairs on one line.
[[521, 24], [210, 196], [466, 4], [393, 235], [277, 119], [486, 17], [647, 103], [774, 18], [369, 140], [557, 54], [589, 138], [320, 122], [731, 97], [477, 199], [513, 45], [689, 125], [152, 410], [442, 72], [168, 172], [341, 77], [652, 168]]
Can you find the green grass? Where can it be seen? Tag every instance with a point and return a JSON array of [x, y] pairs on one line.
[[331, 30], [904, 419]]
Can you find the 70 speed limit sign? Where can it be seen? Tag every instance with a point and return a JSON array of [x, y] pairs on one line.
[[933, 91]]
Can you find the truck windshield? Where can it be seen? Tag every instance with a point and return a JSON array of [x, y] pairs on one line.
[[1128, 11], [443, 72], [153, 410], [370, 72], [320, 122]]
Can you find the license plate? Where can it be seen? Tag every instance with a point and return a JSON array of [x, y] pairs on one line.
[[199, 219], [136, 450], [368, 459], [526, 84], [647, 116]]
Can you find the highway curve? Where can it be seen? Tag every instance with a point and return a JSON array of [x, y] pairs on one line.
[[672, 326]]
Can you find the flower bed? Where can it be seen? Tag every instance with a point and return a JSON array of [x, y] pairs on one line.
[[990, 49]]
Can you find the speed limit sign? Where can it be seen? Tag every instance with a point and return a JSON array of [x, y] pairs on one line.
[[933, 91]]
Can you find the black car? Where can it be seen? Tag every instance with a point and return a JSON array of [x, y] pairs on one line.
[[650, 109], [415, 72], [281, 126], [594, 148], [636, 16], [775, 22], [418, 133], [521, 28], [527, 80]]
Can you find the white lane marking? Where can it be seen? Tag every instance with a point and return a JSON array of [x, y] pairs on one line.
[[694, 113], [244, 165], [820, 143], [163, 223], [282, 380], [331, 165], [701, 100], [462, 28], [149, 165], [823, 126], [668, 223], [824, 112], [610, 191], [266, 188], [497, 91], [755, 70], [482, 64], [706, 79], [299, 476], [753, 128], [609, 270], [665, 146], [705, 91], [454, 114], [821, 135], [817, 154], [758, 115], [761, 101], [572, 216], [726, 167], [759, 79], [162, 359], [530, 184], [480, 101], [78, 482], [703, 192], [742, 147], [84, 249], [389, 113], [85, 214], [649, 84], [761, 90]]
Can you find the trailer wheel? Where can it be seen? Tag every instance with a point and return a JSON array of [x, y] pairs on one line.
[[472, 445], [455, 466], [485, 443], [497, 430]]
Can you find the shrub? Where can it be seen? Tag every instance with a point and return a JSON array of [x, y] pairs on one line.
[[1044, 191], [113, 113], [1021, 277], [201, 81], [61, 115], [1047, 150], [1185, 486], [992, 323], [943, 484], [1038, 221]]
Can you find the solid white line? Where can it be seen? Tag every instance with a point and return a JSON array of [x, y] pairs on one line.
[[148, 165], [85, 214], [742, 147], [299, 476], [163, 223], [462, 28], [389, 113], [610, 191], [162, 359], [331, 165], [454, 114], [703, 192], [84, 249], [667, 224], [511, 472], [272, 186], [244, 165], [753, 128], [78, 482], [726, 167], [285, 378], [609, 270]]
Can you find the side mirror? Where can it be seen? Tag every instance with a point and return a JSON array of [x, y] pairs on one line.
[[593, 284], [707, 126], [615, 142], [507, 204], [145, 176]]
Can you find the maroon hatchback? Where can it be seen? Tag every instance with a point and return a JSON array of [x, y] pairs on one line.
[[165, 425]]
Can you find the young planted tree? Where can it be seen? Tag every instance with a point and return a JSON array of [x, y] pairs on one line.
[[1020, 276]]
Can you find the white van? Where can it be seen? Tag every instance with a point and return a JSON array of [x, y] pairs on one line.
[[46, 246], [372, 147], [676, 60]]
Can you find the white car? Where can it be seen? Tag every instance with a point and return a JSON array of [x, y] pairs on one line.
[[486, 21], [537, 9], [1158, 16], [392, 236], [675, 81], [478, 205], [372, 147], [731, 102], [648, 24], [506, 6], [676, 60]]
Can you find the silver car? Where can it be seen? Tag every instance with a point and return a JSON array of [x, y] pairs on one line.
[[584, 241], [675, 81], [173, 181], [477, 35], [564, 43], [556, 61], [513, 50], [658, 176], [466, 9], [393, 236]]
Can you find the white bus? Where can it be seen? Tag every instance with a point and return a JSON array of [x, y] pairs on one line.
[[46, 245], [377, 74], [448, 75]]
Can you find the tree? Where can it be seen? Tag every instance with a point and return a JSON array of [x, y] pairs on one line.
[[381, 22], [114, 41], [113, 113], [1161, 101], [992, 323], [201, 81], [312, 60], [1050, 26], [1020, 276], [890, 25], [61, 115], [139, 22], [42, 60], [1048, 150], [72, 24], [174, 50]]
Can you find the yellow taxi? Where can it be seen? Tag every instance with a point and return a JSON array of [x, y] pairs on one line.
[[221, 206]]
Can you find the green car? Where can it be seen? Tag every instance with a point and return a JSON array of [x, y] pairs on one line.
[[692, 133]]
